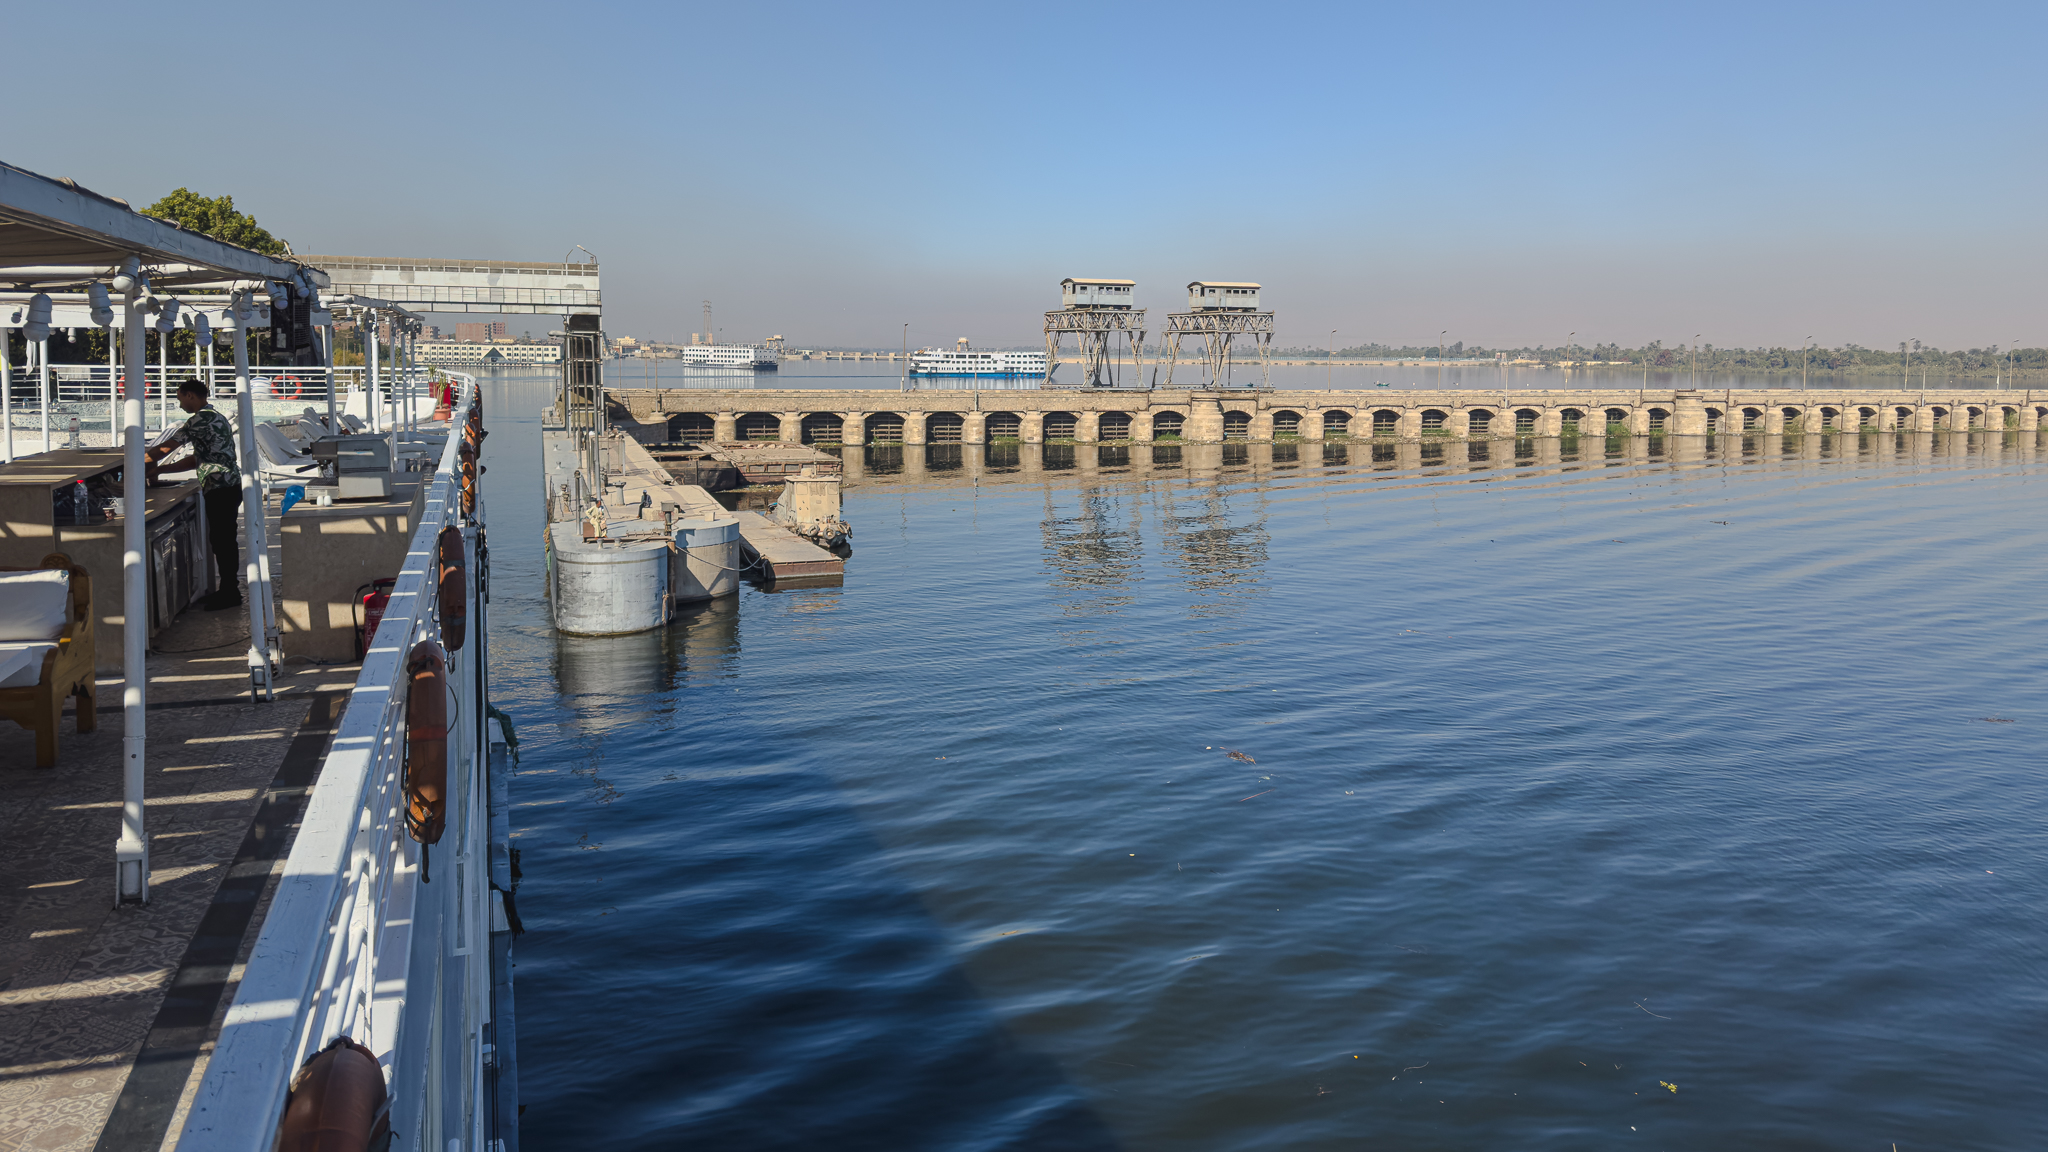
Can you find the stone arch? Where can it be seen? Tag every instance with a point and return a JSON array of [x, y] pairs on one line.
[[1433, 422], [1113, 426], [1612, 417], [1060, 426], [1866, 418], [1902, 416], [693, 427], [1004, 426], [758, 426], [1479, 422], [1752, 419], [1791, 414], [823, 428], [1526, 420], [1336, 425], [945, 428], [1973, 417], [1237, 425], [1942, 417], [1168, 425], [1386, 422], [1830, 419], [2008, 417], [1660, 420], [884, 428], [1569, 421], [1286, 422]]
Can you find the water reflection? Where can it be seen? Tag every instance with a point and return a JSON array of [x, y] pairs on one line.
[[1096, 554], [1014, 462]]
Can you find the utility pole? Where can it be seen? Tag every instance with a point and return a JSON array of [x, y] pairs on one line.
[[1695, 361], [1805, 358], [1331, 374], [1568, 339], [1439, 359]]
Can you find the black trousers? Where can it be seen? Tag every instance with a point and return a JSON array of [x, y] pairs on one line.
[[223, 506]]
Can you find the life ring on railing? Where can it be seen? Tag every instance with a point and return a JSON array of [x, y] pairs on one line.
[[453, 592], [467, 456], [426, 745], [286, 387], [337, 1100]]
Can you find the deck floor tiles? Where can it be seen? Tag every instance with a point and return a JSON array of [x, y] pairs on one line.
[[81, 982]]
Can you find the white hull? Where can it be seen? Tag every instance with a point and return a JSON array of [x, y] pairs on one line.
[[729, 356], [971, 363]]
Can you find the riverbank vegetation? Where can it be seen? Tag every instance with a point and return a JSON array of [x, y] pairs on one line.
[[1848, 359]]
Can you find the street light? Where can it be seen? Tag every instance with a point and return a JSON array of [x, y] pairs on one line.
[[1805, 357], [1568, 337], [1331, 367], [1695, 361], [1440, 356]]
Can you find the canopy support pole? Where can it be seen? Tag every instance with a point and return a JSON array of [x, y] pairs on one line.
[[254, 539], [131, 851]]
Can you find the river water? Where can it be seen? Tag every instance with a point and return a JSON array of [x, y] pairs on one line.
[[1245, 802]]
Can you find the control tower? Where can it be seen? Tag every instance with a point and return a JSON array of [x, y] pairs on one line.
[[1218, 312], [1095, 311]]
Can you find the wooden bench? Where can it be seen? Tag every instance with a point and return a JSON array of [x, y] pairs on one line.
[[64, 670]]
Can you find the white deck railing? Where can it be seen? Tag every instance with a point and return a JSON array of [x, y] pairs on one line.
[[360, 940], [85, 391]]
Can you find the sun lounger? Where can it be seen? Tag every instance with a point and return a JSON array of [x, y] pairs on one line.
[[46, 649]]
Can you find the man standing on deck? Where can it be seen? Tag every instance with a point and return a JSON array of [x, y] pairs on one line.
[[212, 440]]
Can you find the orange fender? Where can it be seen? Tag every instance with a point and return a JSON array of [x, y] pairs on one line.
[[453, 591], [426, 743]]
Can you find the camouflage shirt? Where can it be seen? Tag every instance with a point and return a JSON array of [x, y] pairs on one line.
[[213, 445]]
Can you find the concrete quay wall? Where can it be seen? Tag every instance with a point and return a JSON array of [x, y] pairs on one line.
[[1030, 416]]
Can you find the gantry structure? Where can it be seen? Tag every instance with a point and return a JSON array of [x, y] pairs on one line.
[[1219, 311], [1096, 312]]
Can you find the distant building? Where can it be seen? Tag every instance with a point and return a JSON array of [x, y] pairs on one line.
[[480, 333], [1223, 296], [459, 353], [1077, 293]]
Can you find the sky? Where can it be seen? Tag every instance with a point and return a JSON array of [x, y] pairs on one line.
[[1504, 174]]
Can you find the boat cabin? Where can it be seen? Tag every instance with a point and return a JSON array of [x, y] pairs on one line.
[[1076, 293], [1223, 296]]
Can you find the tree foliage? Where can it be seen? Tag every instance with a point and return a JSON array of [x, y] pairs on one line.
[[216, 216]]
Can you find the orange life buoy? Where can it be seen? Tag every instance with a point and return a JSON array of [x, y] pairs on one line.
[[337, 1102], [454, 596], [426, 744], [288, 387]]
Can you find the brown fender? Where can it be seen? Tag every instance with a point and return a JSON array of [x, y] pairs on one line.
[[426, 742], [453, 590], [337, 1103], [470, 478]]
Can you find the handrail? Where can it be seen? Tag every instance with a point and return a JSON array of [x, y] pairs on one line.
[[356, 934]]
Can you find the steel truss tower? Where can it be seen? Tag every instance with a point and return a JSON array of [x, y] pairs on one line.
[[1096, 329], [1216, 330]]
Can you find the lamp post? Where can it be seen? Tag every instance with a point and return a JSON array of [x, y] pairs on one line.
[[1695, 355], [1331, 368], [1805, 358], [1440, 356], [1569, 337], [905, 385]]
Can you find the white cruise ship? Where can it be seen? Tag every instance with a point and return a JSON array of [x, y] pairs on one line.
[[730, 356], [965, 361]]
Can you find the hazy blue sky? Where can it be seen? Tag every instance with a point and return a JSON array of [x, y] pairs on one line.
[[1753, 172]]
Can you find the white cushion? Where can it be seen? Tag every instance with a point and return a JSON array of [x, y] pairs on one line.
[[21, 663], [34, 605]]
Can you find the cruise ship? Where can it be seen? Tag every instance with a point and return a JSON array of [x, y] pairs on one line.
[[965, 361], [732, 356]]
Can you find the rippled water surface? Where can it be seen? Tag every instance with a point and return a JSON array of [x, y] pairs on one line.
[[1553, 787]]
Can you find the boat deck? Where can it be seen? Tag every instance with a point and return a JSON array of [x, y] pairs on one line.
[[107, 1014]]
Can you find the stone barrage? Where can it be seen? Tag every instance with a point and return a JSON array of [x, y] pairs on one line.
[[820, 416]]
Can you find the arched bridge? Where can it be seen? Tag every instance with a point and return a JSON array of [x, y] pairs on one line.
[[823, 416]]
